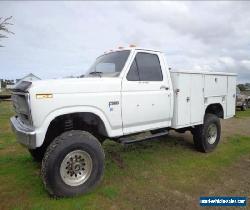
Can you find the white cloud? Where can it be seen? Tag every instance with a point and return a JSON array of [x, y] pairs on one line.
[[228, 62], [246, 64], [54, 39]]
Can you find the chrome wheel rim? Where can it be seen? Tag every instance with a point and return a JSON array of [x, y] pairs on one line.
[[212, 133], [76, 168]]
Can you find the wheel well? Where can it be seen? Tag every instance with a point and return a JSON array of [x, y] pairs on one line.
[[76, 121], [216, 109]]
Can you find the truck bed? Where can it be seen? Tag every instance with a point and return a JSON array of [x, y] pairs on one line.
[[194, 91]]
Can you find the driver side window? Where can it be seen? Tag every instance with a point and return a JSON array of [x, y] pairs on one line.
[[133, 74], [145, 67]]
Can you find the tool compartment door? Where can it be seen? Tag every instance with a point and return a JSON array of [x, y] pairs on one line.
[[231, 95], [196, 99], [182, 93], [188, 99]]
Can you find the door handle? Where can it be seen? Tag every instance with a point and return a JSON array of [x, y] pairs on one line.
[[164, 87]]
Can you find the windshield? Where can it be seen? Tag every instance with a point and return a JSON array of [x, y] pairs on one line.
[[110, 64]]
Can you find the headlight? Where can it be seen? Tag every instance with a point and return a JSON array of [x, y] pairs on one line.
[[21, 104]]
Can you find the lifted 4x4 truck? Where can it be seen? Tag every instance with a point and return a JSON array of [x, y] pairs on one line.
[[127, 91]]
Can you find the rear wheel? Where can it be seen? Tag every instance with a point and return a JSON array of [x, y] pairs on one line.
[[73, 164], [207, 136]]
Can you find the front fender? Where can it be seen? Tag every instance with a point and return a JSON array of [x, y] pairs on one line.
[[41, 130]]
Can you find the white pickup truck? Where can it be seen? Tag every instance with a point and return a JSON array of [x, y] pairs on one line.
[[126, 91]]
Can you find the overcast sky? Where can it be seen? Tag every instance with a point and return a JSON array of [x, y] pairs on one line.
[[56, 39]]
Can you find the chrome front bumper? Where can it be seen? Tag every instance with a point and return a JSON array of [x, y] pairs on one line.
[[24, 134]]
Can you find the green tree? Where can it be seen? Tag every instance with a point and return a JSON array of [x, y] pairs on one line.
[[4, 24], [241, 87]]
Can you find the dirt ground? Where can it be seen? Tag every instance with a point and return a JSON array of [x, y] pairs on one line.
[[233, 181]]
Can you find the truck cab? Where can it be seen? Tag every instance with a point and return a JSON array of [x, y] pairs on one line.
[[125, 92], [146, 92]]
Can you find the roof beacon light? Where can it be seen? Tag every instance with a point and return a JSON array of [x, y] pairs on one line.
[[132, 45], [120, 48]]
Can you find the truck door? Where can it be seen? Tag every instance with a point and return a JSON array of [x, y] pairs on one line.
[[146, 95]]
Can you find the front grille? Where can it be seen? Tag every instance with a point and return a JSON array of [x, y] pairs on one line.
[[21, 107]]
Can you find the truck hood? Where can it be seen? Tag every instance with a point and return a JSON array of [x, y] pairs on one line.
[[76, 85]]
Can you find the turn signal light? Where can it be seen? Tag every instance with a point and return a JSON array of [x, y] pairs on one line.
[[44, 96]]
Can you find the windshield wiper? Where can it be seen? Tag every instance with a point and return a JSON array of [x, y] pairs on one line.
[[99, 73]]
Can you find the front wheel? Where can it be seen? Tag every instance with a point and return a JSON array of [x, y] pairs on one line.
[[73, 164], [207, 136]]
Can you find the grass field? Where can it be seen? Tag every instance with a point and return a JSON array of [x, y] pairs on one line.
[[243, 113], [5, 92], [167, 173]]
